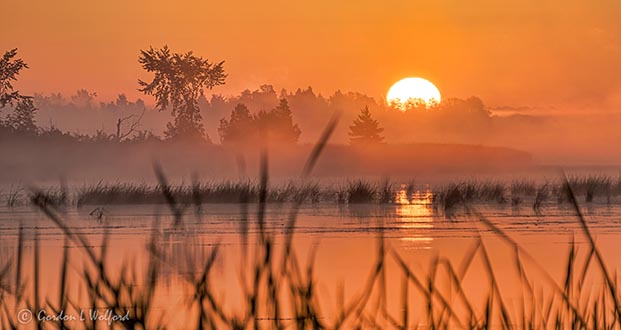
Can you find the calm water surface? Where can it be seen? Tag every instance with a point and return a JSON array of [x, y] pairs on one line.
[[346, 240]]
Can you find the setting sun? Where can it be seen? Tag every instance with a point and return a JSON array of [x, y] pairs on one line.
[[310, 164], [409, 92]]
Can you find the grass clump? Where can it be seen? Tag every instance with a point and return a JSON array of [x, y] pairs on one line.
[[14, 196], [360, 192]]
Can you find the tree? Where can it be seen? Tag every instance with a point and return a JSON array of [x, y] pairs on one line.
[[470, 107], [179, 81], [9, 69], [22, 119], [275, 125], [240, 128], [365, 129], [84, 99], [278, 124]]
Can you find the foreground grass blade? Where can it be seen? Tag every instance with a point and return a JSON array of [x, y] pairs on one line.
[[598, 256]]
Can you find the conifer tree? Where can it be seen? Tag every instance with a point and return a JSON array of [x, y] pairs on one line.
[[240, 128], [278, 124], [365, 129]]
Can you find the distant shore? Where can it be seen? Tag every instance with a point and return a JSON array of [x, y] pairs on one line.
[[40, 161]]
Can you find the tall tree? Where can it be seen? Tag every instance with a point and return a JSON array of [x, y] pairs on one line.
[[365, 129], [240, 128], [22, 119], [278, 124], [179, 81]]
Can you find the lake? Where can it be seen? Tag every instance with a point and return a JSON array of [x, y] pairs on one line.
[[341, 242]]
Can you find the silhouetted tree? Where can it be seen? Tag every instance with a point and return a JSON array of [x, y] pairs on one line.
[[365, 129], [180, 80], [471, 107], [121, 101], [84, 99], [415, 104], [275, 125], [240, 128], [9, 69], [278, 124], [22, 119], [468, 117]]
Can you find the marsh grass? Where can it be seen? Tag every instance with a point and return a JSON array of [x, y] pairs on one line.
[[592, 188], [593, 185], [361, 192], [280, 291], [199, 193], [14, 196], [541, 197]]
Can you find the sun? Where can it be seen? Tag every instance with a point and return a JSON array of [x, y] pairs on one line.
[[413, 92]]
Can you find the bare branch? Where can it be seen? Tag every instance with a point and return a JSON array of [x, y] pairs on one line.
[[133, 126]]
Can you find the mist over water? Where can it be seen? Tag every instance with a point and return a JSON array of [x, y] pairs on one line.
[[188, 183], [560, 137]]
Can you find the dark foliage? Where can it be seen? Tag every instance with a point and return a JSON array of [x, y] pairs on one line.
[[21, 120], [275, 125], [365, 129], [10, 68], [179, 81], [278, 124], [240, 128]]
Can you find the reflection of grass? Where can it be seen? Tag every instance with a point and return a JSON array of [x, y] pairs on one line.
[[279, 292]]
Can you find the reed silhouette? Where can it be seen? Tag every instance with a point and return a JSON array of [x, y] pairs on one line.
[[279, 292]]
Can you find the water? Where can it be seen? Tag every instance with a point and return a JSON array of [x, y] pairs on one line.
[[346, 239]]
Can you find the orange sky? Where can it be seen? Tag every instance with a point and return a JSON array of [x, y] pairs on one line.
[[548, 53]]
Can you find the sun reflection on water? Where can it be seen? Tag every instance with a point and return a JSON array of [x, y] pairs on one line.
[[414, 214]]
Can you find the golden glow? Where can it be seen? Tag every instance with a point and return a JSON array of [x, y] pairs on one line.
[[413, 92], [414, 213]]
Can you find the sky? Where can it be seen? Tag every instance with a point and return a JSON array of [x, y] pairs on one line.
[[545, 54]]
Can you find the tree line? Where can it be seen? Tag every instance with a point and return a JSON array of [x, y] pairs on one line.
[[178, 84]]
